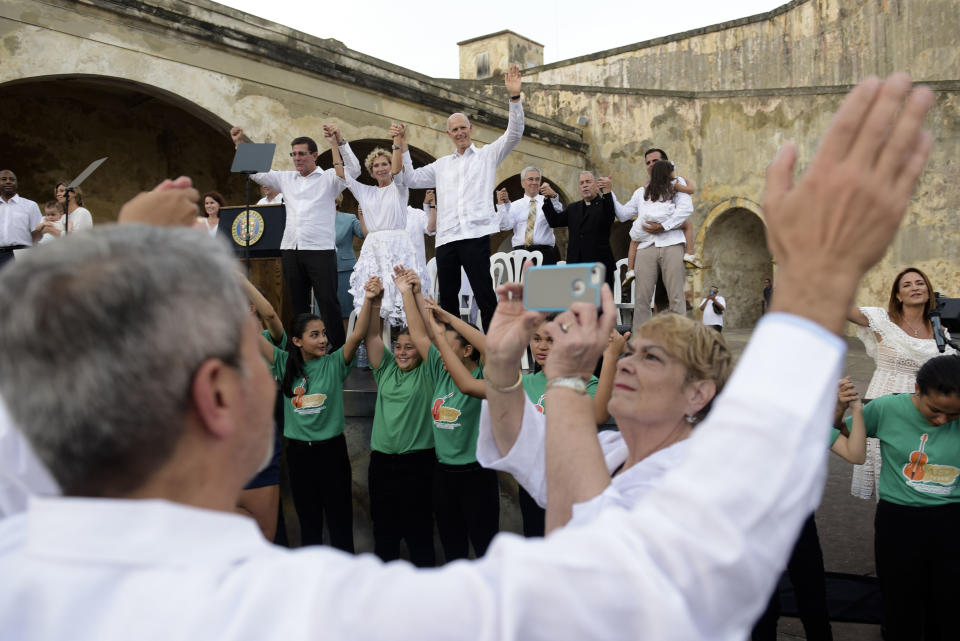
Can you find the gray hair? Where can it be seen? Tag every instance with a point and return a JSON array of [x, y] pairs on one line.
[[530, 168], [459, 113], [101, 336], [587, 171]]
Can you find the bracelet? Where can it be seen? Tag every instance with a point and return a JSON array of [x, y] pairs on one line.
[[397, 147], [575, 383], [338, 164], [517, 97], [341, 142], [507, 390], [432, 206]]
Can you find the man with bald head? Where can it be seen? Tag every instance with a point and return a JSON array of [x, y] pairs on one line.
[[19, 218], [588, 221], [465, 212]]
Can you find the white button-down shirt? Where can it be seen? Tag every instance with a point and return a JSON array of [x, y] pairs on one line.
[[22, 475], [514, 216], [18, 217], [311, 202], [672, 234], [695, 559], [465, 184]]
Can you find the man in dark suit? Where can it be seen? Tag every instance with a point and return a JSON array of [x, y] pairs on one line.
[[588, 222]]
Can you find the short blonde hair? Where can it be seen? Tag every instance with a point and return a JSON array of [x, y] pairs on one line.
[[373, 155], [701, 349]]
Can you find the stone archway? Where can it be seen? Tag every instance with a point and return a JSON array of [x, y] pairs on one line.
[[58, 124], [732, 242]]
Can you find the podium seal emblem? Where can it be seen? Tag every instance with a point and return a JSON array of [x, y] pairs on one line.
[[240, 231]]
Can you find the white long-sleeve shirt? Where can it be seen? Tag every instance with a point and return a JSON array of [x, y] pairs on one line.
[[672, 234], [465, 183], [311, 202], [514, 216], [695, 559]]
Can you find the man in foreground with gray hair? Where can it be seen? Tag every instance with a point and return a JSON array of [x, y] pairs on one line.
[[169, 414], [524, 217]]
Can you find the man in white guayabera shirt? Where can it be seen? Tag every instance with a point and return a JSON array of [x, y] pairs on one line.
[[170, 413], [465, 212]]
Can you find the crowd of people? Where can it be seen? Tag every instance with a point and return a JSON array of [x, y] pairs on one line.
[[651, 530]]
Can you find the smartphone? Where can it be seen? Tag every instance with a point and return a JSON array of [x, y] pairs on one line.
[[554, 288]]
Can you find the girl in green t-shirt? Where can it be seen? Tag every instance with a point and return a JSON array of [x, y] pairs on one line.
[[918, 514], [402, 458], [311, 381], [466, 496]]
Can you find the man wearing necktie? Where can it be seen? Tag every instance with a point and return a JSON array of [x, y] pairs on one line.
[[531, 231]]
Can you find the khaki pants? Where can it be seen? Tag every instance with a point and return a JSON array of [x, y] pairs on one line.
[[669, 261]]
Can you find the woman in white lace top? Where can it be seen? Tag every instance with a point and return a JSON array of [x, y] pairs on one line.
[[900, 340]]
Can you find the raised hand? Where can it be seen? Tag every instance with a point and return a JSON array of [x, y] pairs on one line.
[[430, 198], [512, 80], [509, 333], [331, 136], [503, 197], [847, 392], [617, 343], [547, 190], [580, 337], [398, 132], [373, 289], [172, 203], [838, 219], [605, 184], [236, 133], [334, 130]]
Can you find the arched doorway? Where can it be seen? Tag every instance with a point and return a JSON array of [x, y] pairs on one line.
[[57, 125], [733, 243]]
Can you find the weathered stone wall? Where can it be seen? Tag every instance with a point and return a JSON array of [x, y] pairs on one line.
[[223, 67], [805, 43]]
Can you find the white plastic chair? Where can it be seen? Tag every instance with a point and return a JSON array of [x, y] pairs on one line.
[[501, 268], [518, 257], [386, 328], [622, 267]]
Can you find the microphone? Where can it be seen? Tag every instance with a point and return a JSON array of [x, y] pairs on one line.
[[934, 316]]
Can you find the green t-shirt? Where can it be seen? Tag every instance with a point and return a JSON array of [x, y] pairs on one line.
[[535, 385], [315, 413], [903, 431], [401, 420], [283, 339], [456, 416]]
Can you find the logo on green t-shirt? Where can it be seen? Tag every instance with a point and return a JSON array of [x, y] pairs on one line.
[[304, 403], [445, 417], [539, 404], [927, 477]]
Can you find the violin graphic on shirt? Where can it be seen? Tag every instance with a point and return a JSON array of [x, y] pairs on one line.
[[914, 470]]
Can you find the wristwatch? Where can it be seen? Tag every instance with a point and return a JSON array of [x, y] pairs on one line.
[[395, 147]]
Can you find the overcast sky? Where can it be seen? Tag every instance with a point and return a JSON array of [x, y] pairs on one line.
[[423, 35]]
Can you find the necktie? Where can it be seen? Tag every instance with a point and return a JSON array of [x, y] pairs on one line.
[[531, 219]]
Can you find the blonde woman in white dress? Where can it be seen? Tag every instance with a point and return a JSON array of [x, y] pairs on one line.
[[387, 243]]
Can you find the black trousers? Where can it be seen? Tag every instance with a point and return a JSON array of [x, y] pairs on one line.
[[467, 504], [6, 254], [304, 269], [919, 569], [473, 254], [805, 569], [534, 516], [550, 254], [401, 505], [719, 328], [322, 486]]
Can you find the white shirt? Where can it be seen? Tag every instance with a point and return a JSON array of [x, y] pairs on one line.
[[276, 201], [695, 559], [673, 235], [22, 475], [514, 216], [710, 317], [18, 217], [465, 184], [526, 461], [417, 220], [383, 207], [311, 202]]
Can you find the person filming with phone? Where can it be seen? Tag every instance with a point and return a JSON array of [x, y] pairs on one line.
[[713, 307]]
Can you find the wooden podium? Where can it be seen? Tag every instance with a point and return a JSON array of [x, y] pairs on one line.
[[267, 223]]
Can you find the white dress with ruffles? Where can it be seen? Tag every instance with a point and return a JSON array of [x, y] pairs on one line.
[[386, 245], [898, 357]]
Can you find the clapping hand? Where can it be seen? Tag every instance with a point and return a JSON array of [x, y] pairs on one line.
[[373, 289]]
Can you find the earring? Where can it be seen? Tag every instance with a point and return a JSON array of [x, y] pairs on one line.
[[691, 419]]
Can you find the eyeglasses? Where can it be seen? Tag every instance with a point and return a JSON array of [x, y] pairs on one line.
[[294, 154]]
